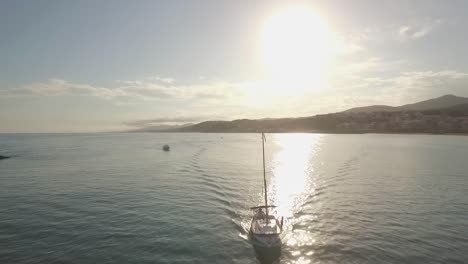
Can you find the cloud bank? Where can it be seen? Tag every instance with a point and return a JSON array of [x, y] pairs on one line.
[[164, 120], [145, 90], [373, 80]]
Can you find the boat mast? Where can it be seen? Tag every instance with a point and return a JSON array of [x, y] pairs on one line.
[[264, 175]]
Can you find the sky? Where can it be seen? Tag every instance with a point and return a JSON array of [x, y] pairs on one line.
[[88, 66]]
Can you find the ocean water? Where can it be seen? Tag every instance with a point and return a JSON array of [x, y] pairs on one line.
[[118, 198]]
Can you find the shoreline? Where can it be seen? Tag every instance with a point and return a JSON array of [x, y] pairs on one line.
[[306, 132], [239, 132]]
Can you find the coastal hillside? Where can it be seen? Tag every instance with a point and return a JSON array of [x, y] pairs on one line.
[[372, 108], [446, 114], [435, 103]]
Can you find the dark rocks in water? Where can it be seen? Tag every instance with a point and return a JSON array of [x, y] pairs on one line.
[[166, 147], [4, 157]]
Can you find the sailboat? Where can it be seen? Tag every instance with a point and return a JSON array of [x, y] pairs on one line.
[[265, 228]]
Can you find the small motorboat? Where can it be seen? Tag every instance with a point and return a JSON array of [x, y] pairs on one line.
[[166, 147], [265, 228]]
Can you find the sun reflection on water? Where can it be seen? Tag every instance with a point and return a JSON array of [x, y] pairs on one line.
[[292, 182], [292, 170], [291, 161]]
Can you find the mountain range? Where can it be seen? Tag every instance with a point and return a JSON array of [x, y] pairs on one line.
[[435, 103], [445, 114]]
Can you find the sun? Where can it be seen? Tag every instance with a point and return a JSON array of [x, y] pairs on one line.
[[296, 49]]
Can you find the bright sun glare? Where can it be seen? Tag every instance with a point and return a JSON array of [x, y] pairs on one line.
[[296, 49]]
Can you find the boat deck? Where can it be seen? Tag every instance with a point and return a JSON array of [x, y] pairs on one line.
[[262, 226]]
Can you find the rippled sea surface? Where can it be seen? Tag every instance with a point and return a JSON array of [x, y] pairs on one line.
[[118, 198]]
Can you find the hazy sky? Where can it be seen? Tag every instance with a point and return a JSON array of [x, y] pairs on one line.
[[72, 66]]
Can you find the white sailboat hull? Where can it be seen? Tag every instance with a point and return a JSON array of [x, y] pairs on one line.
[[265, 231], [266, 241]]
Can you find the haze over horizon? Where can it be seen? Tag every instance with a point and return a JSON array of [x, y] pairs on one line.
[[114, 65]]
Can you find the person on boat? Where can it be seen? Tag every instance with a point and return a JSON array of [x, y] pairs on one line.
[[261, 214]]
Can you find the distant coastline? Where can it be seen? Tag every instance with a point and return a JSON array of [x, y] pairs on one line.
[[443, 115], [311, 132]]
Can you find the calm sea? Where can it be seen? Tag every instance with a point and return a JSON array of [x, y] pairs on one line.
[[118, 198]]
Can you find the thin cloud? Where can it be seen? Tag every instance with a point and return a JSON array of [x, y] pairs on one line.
[[347, 44], [59, 87], [417, 31], [144, 90], [162, 79], [162, 120], [368, 65], [404, 87]]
